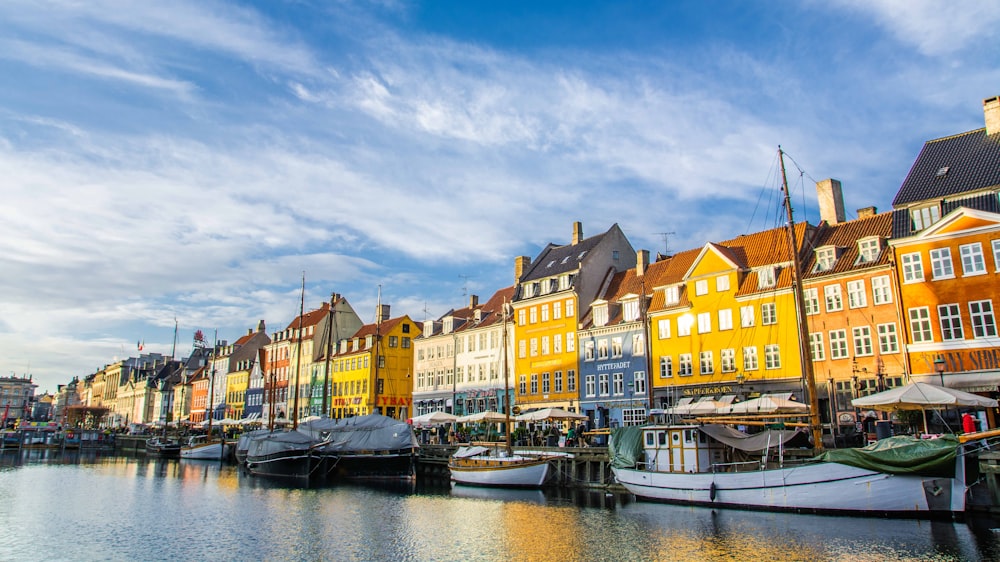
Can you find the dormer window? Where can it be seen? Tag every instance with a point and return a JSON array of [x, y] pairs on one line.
[[428, 327], [530, 290], [766, 278], [354, 344], [477, 315], [826, 257], [924, 217], [630, 310], [672, 295], [601, 314], [869, 249], [449, 325], [564, 282], [368, 341]]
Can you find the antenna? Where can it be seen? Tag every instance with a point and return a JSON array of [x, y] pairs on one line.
[[465, 284], [426, 310], [666, 241]]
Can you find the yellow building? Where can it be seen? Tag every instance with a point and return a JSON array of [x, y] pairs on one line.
[[547, 313], [372, 370], [723, 321]]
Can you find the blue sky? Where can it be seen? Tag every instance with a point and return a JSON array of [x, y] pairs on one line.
[[191, 160]]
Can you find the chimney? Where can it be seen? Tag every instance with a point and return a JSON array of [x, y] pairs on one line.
[[867, 212], [520, 264], [831, 201], [577, 232], [991, 111], [249, 331], [641, 262], [260, 326], [473, 301]]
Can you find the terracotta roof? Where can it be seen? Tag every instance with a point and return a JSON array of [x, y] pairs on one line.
[[310, 318], [952, 165], [845, 236]]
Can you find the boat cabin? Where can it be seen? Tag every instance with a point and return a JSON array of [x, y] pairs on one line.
[[681, 449]]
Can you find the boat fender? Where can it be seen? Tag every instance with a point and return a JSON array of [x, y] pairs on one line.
[[712, 491]]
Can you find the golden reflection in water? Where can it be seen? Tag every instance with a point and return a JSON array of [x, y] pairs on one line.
[[730, 546]]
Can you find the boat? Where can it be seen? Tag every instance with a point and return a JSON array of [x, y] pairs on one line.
[[499, 467], [200, 447], [364, 447], [163, 447], [243, 443], [283, 454], [702, 465]]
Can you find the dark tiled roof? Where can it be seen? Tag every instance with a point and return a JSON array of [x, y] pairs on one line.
[[901, 220], [555, 260], [972, 160], [845, 236]]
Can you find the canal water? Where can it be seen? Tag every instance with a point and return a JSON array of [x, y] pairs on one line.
[[86, 506]]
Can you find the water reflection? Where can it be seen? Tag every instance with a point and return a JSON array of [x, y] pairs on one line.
[[208, 510]]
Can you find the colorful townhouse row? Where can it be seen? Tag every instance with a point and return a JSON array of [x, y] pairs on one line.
[[595, 326]]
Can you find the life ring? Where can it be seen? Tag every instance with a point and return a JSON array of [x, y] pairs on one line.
[[69, 435]]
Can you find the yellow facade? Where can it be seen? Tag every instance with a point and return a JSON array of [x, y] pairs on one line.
[[236, 393], [546, 361]]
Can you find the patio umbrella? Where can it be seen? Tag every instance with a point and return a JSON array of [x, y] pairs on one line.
[[434, 418], [767, 404], [922, 396], [550, 414], [483, 417]]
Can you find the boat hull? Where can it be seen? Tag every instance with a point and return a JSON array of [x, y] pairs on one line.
[[300, 465], [206, 451], [388, 465], [830, 488], [503, 472], [163, 450]]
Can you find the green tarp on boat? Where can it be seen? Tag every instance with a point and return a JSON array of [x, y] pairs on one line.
[[902, 455], [625, 446]]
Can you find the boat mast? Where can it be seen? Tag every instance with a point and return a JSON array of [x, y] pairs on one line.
[[378, 333], [298, 361], [805, 357], [211, 383], [329, 351], [506, 379], [646, 331]]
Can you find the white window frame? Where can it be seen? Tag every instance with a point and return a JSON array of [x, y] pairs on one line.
[[833, 298], [706, 363], [768, 314], [920, 324], [672, 295], [750, 362], [941, 265], [881, 290], [856, 295], [838, 344], [869, 249], [826, 258], [973, 260], [704, 322], [817, 347], [725, 319], [722, 283], [685, 367], [746, 316], [888, 338], [950, 320], [666, 367], [590, 386], [618, 384], [913, 267], [663, 328], [862, 336], [996, 255], [811, 297], [701, 287], [603, 384], [983, 322], [772, 356]]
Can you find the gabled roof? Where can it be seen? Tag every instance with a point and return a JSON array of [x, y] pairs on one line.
[[961, 219], [846, 235], [555, 260], [369, 330], [310, 318], [902, 222], [950, 166]]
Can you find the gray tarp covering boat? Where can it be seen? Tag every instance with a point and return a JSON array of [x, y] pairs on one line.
[[757, 442], [271, 443], [902, 455], [362, 433]]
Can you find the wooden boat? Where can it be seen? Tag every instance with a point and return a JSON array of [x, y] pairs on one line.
[[283, 454], [483, 466], [200, 447], [163, 448], [692, 464]]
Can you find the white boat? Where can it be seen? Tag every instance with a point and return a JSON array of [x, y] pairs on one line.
[[481, 466], [683, 464], [200, 448]]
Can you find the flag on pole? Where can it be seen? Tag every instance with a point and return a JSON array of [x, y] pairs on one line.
[[139, 344]]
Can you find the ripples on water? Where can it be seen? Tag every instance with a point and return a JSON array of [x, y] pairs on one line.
[[68, 506]]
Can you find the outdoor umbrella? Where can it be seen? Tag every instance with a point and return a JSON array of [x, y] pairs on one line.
[[767, 404], [434, 418], [922, 396], [550, 414], [483, 417]]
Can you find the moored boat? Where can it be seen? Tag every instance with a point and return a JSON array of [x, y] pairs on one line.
[[163, 447], [364, 447], [200, 447], [285, 454], [480, 466]]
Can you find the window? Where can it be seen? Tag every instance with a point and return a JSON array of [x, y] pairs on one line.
[[704, 322], [666, 367], [672, 295], [557, 343], [546, 383], [726, 319], [523, 384], [706, 363], [533, 315], [924, 217], [638, 344], [746, 316], [920, 324], [630, 310], [816, 349], [616, 347], [811, 297], [406, 342], [570, 309], [982, 319], [941, 264], [534, 347], [868, 250], [618, 380], [570, 342], [545, 313], [684, 325], [772, 356], [545, 345], [950, 317], [838, 344], [862, 341], [590, 385], [639, 382], [701, 287], [834, 301], [913, 268], [663, 329], [521, 314], [749, 358], [881, 290], [825, 258], [768, 314], [571, 380], [888, 341], [602, 350], [603, 385], [600, 314], [633, 416], [856, 297], [996, 255], [588, 350], [972, 259], [521, 349], [765, 277], [684, 367], [728, 360], [558, 380], [534, 383], [557, 310], [722, 283]]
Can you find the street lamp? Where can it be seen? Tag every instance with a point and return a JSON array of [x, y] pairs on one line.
[[939, 366]]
